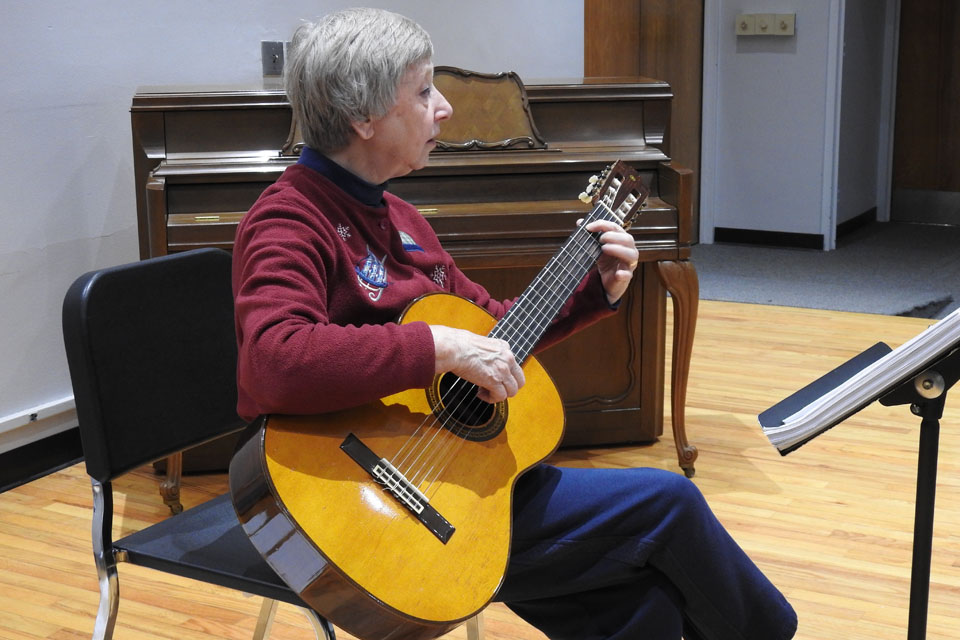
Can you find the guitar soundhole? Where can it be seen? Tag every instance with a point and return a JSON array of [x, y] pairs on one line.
[[455, 402]]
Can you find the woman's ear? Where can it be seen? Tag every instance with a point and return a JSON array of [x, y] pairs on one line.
[[363, 128]]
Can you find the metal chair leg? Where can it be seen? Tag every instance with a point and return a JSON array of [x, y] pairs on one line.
[[265, 620], [106, 562], [322, 628], [475, 627]]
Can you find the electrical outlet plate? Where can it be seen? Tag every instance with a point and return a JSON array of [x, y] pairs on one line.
[[271, 55], [785, 24], [765, 24]]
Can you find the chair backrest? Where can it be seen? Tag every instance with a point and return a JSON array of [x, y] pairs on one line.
[[152, 354]]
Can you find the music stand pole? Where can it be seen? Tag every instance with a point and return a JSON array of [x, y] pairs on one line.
[[923, 517], [926, 393]]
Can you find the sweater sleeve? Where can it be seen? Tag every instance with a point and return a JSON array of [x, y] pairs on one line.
[[292, 357]]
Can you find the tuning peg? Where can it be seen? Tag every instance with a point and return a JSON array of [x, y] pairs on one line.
[[593, 179], [585, 197]]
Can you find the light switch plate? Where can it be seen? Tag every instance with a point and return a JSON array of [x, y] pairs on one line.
[[271, 55]]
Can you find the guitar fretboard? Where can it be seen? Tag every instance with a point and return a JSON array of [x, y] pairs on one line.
[[528, 319]]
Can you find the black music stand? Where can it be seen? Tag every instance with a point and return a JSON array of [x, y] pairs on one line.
[[926, 393]]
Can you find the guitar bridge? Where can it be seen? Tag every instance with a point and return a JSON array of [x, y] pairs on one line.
[[411, 497], [398, 486]]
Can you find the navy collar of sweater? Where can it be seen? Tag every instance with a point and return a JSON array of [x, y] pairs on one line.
[[367, 193]]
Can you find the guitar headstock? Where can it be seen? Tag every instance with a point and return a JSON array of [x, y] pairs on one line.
[[619, 190]]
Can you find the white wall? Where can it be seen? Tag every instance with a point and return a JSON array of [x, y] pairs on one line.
[[861, 120], [70, 70]]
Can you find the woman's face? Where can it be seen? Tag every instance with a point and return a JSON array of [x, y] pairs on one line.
[[407, 133]]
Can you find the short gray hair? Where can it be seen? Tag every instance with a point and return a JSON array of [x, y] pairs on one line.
[[346, 68]]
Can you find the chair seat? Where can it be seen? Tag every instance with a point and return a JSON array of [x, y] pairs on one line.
[[207, 543]]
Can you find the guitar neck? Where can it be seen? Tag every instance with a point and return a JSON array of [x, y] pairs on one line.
[[528, 319]]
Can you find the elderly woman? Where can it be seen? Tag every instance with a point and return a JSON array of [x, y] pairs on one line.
[[327, 259]]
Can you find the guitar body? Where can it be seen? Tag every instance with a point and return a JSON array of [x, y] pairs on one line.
[[349, 547]]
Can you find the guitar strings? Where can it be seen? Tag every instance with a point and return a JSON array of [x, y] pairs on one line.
[[574, 264], [426, 465], [529, 328], [527, 331], [582, 262], [441, 448], [442, 453], [454, 434]]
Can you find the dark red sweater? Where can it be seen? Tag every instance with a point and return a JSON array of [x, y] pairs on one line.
[[319, 280]]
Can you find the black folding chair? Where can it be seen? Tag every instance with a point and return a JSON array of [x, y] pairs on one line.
[[152, 355]]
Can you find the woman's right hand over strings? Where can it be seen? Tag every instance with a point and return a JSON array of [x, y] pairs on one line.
[[486, 362]]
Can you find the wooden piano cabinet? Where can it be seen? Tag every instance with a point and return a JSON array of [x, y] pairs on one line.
[[202, 156]]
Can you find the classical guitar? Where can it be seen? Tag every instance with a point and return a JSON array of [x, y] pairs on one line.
[[392, 519]]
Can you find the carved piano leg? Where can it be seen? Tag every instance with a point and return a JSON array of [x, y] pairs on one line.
[[680, 279], [170, 486]]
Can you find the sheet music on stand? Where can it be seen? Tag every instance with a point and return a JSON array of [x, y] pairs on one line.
[[918, 373], [853, 385]]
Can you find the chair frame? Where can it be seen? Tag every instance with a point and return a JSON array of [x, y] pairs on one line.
[[106, 558], [106, 316]]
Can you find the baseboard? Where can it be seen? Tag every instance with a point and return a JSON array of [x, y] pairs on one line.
[[927, 206], [768, 238], [857, 222], [39, 458], [43, 420]]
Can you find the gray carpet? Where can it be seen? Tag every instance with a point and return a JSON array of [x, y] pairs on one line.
[[886, 268]]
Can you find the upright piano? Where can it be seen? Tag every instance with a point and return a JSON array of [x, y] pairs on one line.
[[203, 154]]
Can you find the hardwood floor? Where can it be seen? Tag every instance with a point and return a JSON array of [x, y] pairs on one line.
[[830, 524]]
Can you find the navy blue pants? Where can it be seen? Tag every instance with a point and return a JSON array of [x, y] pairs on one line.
[[632, 554]]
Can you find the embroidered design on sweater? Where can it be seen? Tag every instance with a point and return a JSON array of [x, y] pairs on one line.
[[372, 275], [409, 243], [439, 276], [343, 231]]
